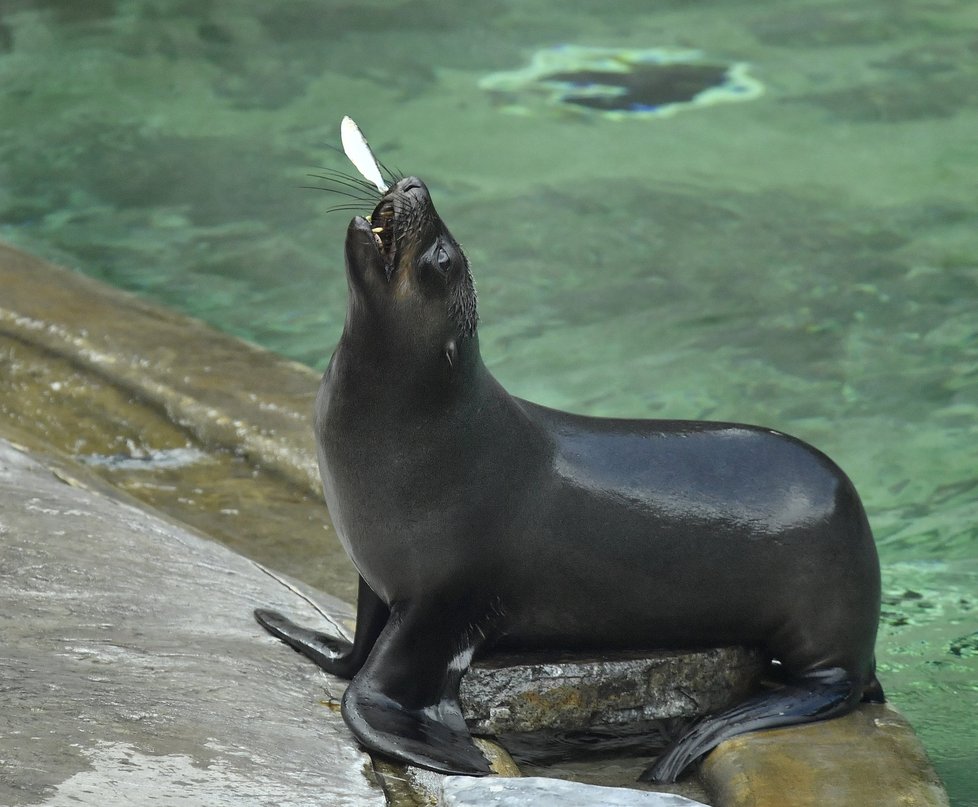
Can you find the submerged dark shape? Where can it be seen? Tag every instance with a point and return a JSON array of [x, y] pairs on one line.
[[621, 83], [643, 87], [478, 520]]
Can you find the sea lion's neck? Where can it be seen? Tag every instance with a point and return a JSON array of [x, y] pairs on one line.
[[389, 372]]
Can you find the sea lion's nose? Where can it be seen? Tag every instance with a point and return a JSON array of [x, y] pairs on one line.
[[409, 184]]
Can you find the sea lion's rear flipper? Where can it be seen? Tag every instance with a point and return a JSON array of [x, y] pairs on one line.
[[816, 696], [404, 702], [334, 654]]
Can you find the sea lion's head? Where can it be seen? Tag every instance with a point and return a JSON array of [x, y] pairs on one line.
[[410, 283]]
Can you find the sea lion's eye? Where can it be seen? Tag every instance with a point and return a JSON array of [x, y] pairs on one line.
[[443, 260]]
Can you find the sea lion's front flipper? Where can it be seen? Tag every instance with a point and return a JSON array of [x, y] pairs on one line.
[[404, 702], [816, 696], [335, 655]]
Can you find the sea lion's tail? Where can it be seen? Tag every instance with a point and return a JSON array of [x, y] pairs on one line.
[[816, 696]]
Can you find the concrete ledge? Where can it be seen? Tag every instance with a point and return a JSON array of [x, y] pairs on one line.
[[133, 673]]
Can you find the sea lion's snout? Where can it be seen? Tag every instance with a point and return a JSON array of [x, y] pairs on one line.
[[363, 253], [399, 216], [409, 184]]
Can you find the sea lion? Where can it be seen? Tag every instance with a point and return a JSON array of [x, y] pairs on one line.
[[478, 520]]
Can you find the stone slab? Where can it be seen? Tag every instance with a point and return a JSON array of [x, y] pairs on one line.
[[869, 757], [132, 672], [520, 694]]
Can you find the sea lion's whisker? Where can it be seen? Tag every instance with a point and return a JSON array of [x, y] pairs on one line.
[[351, 189], [394, 176], [342, 175], [366, 203], [353, 208]]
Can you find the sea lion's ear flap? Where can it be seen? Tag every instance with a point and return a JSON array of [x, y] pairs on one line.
[[451, 355]]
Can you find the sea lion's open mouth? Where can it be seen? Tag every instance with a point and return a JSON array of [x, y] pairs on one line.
[[402, 220], [382, 226]]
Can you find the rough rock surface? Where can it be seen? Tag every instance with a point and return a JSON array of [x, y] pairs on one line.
[[520, 694]]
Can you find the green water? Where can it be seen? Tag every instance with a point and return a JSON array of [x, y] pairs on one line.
[[807, 260]]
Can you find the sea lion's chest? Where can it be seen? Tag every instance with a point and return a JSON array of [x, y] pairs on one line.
[[390, 475]]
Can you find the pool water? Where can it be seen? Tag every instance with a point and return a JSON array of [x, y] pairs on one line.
[[806, 259]]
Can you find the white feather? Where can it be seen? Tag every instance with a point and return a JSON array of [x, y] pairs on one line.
[[356, 148]]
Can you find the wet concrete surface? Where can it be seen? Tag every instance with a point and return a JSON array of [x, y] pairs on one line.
[[132, 671]]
